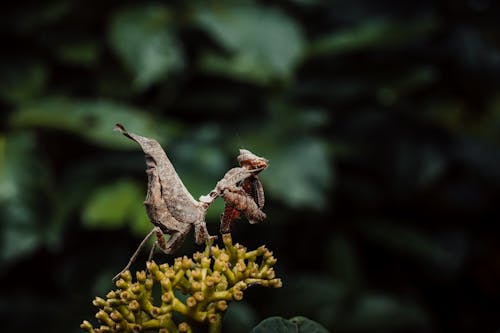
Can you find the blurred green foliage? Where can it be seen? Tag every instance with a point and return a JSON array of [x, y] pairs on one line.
[[380, 120]]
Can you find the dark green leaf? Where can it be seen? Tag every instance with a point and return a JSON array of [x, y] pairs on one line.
[[300, 173], [375, 34], [93, 119], [265, 43], [115, 205], [22, 185], [144, 40], [294, 325]]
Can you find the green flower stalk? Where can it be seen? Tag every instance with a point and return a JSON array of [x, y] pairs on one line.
[[210, 279]]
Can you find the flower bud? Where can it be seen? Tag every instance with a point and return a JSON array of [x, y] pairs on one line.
[[220, 265], [240, 266], [215, 251], [125, 295], [191, 302], [224, 256], [121, 283], [271, 261], [226, 238], [165, 283], [134, 305], [270, 274], [177, 263], [241, 253], [86, 325], [237, 295], [166, 297], [187, 263], [127, 276], [196, 274], [222, 305], [170, 273], [197, 256], [99, 302], [196, 285], [111, 295], [135, 288], [209, 281], [212, 318], [276, 283], [205, 262], [116, 316], [183, 327], [155, 311], [216, 276], [199, 296], [241, 285], [141, 276]]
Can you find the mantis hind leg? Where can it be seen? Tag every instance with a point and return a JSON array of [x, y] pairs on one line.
[[174, 242], [136, 253]]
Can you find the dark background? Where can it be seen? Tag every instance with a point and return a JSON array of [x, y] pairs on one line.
[[380, 119]]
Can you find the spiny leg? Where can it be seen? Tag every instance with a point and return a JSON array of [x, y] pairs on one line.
[[160, 242], [136, 253], [228, 217], [201, 234], [173, 242]]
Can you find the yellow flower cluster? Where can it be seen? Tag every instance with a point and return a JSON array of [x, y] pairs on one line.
[[209, 279]]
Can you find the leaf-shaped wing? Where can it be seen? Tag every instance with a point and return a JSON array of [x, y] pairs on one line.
[[180, 203], [257, 191]]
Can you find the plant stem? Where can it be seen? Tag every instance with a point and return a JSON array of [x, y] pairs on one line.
[[216, 326]]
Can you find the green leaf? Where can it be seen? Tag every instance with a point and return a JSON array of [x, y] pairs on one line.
[[115, 205], [94, 120], [143, 39], [264, 42], [372, 35], [294, 325], [307, 325], [300, 173], [22, 200]]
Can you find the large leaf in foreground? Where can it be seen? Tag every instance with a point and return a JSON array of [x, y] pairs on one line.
[[294, 325]]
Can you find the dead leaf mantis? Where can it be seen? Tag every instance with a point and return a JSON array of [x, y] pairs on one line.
[[173, 210]]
